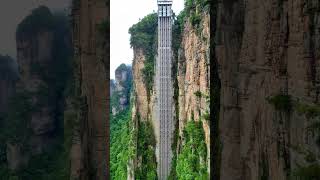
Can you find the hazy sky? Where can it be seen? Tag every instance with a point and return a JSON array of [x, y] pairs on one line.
[[12, 12], [125, 13]]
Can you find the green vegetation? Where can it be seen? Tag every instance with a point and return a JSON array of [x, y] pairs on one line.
[[285, 103], [104, 27], [121, 145], [122, 141], [192, 163], [310, 111], [281, 102], [127, 85], [206, 114], [177, 35], [198, 94], [177, 30], [127, 143], [51, 165], [264, 174], [146, 151], [13, 129], [309, 172], [15, 125], [122, 67], [193, 10], [114, 100], [144, 37]]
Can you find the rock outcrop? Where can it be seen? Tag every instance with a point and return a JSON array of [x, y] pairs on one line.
[[121, 89], [268, 54], [42, 122], [32, 115], [89, 153]]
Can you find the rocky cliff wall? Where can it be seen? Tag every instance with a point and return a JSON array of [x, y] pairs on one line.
[[89, 153], [268, 55], [193, 76]]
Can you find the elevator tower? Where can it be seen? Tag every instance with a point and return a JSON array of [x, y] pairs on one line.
[[164, 87]]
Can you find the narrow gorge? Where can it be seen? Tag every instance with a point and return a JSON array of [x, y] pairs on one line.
[[264, 94], [246, 86], [191, 74]]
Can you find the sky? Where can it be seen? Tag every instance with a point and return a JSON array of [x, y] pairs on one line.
[[12, 13], [125, 13]]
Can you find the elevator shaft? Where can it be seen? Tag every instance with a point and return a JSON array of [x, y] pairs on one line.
[[165, 88]]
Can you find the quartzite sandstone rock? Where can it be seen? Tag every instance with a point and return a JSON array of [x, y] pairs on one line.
[[266, 48]]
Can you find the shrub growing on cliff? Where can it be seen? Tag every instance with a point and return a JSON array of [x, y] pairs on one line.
[[177, 30], [191, 163], [309, 172], [144, 37], [193, 9], [281, 102], [310, 111], [311, 169], [146, 151], [104, 27]]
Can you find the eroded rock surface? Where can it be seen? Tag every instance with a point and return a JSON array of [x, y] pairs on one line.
[[265, 49], [90, 155]]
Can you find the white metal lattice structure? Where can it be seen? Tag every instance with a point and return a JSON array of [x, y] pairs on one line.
[[164, 87]]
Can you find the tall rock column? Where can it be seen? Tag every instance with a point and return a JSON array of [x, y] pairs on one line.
[[35, 41], [89, 154], [121, 89], [268, 52]]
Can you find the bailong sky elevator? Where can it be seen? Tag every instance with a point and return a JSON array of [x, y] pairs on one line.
[[164, 87]]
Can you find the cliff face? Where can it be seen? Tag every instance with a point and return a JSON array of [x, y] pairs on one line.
[[193, 75], [268, 54], [42, 123], [143, 106], [89, 155]]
